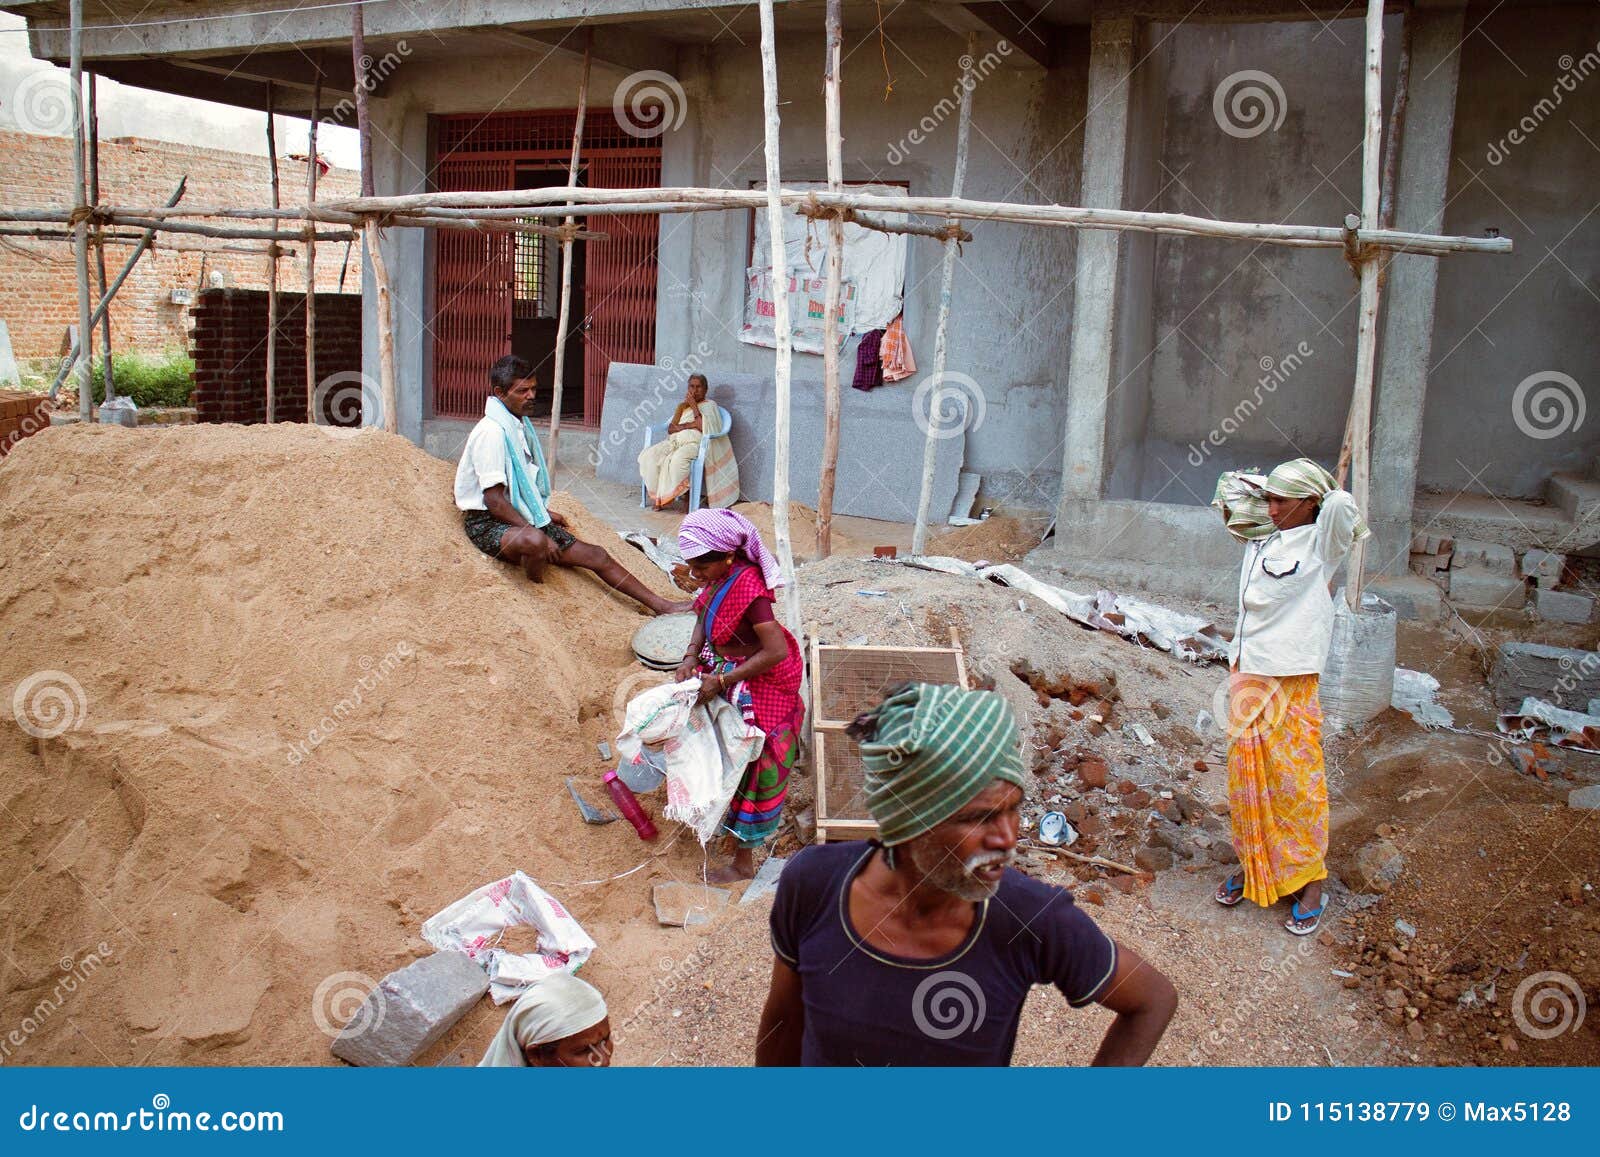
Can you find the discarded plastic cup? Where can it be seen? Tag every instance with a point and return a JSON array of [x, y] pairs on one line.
[[1055, 830]]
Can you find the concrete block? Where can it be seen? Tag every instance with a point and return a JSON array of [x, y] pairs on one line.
[[1587, 798], [411, 1009], [680, 905], [1414, 599], [1543, 565], [1476, 587], [1563, 606], [1432, 544], [1561, 675], [1484, 556]]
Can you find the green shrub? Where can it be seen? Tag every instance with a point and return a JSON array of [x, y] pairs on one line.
[[164, 379]]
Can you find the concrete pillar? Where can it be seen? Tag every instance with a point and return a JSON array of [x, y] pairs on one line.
[[1407, 341], [1094, 316]]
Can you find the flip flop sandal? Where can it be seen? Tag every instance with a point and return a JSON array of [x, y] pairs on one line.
[[1296, 915], [1229, 893]]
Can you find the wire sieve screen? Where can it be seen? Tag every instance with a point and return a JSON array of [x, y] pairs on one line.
[[847, 681], [853, 680]]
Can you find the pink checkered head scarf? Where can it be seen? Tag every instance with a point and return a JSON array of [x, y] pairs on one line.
[[715, 531]]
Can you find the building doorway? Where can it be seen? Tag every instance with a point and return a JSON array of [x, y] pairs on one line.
[[494, 294]]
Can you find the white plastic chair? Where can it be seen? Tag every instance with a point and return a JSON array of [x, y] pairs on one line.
[[697, 468]]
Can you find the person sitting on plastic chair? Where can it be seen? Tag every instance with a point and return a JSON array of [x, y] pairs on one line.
[[694, 458]]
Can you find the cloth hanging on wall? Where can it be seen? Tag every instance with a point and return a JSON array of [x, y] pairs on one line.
[[898, 364], [869, 361]]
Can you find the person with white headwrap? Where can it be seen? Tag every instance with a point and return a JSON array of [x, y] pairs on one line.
[[1297, 527], [559, 1022]]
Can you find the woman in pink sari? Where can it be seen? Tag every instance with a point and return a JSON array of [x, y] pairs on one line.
[[742, 652]]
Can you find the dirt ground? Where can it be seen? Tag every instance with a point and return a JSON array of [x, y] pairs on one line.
[[237, 867]]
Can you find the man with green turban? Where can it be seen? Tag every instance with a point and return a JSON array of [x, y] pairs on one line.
[[919, 947]]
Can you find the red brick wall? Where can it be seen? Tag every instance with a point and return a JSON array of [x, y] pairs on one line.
[[230, 357], [39, 296]]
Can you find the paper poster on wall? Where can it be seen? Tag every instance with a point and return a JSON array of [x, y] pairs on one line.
[[807, 307], [874, 274]]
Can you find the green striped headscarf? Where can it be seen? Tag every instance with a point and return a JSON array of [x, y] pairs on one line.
[[1301, 478], [1243, 504], [936, 746]]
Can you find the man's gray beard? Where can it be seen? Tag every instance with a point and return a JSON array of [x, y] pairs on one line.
[[948, 874]]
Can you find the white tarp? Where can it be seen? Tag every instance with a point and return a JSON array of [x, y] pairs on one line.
[[1416, 693], [874, 273]]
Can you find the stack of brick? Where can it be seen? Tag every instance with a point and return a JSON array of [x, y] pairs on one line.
[[21, 414], [1486, 576], [230, 355]]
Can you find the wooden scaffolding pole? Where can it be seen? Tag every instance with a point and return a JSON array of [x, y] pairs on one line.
[[833, 44], [80, 223], [782, 543], [99, 234], [1371, 265], [311, 249], [144, 243], [272, 259], [564, 313], [370, 239], [933, 385]]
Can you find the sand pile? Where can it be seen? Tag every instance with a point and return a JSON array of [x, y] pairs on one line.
[[802, 530], [308, 715], [999, 538]]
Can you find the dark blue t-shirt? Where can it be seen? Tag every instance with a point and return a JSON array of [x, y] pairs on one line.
[[864, 1006]]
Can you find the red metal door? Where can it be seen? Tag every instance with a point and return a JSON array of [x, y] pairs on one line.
[[472, 294], [619, 276]]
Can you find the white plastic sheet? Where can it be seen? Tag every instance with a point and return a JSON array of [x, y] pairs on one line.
[[476, 923], [1416, 693], [707, 750]]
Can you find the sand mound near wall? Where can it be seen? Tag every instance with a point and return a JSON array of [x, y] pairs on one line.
[[306, 715]]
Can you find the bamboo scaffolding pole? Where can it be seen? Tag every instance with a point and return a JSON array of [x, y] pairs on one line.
[[272, 260], [153, 224], [1371, 265], [564, 312], [371, 241], [311, 248], [176, 245], [933, 432], [1069, 216], [80, 227], [783, 544], [833, 41], [111, 291], [99, 232]]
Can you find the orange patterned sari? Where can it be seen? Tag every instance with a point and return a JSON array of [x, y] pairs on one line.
[[1277, 788]]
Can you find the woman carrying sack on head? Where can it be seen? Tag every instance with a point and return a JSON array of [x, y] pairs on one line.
[[1297, 527]]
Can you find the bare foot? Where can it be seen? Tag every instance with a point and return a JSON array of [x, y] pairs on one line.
[[680, 607], [731, 874]]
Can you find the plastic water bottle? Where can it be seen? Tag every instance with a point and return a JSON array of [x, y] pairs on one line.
[[628, 805]]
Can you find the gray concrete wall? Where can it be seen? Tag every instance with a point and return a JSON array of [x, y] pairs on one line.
[[1227, 315], [1503, 320], [1013, 287]]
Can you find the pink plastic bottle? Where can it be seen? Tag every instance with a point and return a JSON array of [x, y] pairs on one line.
[[628, 805]]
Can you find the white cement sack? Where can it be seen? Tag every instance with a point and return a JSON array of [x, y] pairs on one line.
[[707, 750], [476, 923], [1358, 681]]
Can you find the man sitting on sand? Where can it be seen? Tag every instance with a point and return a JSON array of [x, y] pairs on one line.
[[503, 487], [919, 948]]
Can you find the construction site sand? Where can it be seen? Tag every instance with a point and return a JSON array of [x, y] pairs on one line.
[[218, 592]]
